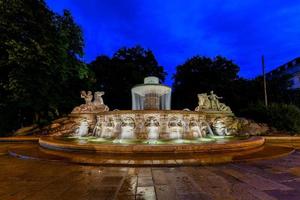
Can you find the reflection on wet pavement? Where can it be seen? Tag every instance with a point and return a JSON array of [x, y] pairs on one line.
[[33, 179]]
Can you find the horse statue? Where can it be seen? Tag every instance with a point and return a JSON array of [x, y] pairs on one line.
[[91, 106], [223, 107], [203, 102]]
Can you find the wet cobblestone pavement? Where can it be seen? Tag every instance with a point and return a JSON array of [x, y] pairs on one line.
[[34, 179]]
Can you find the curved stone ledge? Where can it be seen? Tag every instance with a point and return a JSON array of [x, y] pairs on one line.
[[35, 152], [232, 146], [123, 112], [20, 139]]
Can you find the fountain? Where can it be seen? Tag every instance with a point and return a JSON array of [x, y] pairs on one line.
[[151, 126], [127, 128], [83, 129], [151, 95]]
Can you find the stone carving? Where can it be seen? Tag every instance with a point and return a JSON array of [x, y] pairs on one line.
[[98, 100], [91, 107], [195, 128], [205, 128], [98, 127], [152, 121], [211, 102], [152, 128], [108, 128], [87, 96], [127, 128], [220, 128], [203, 102], [83, 128], [175, 126], [214, 100]]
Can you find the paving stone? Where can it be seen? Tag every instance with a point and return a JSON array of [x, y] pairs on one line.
[[128, 187], [211, 184], [146, 193], [277, 194], [159, 177], [243, 191], [42, 180], [105, 193], [165, 192], [111, 180], [256, 181], [124, 197], [145, 181], [144, 172]]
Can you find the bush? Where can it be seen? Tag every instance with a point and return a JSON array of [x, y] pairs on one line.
[[283, 117]]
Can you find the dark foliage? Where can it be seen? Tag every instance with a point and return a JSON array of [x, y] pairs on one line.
[[282, 116], [40, 66], [201, 75], [117, 75]]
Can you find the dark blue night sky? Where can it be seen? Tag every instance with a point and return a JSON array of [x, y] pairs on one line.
[[176, 30]]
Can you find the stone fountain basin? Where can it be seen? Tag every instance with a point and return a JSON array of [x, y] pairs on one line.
[[58, 143]]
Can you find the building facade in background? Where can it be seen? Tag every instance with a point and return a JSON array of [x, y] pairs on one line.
[[292, 69]]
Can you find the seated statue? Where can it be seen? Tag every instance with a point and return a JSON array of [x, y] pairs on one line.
[[91, 106], [211, 102], [214, 100], [203, 102]]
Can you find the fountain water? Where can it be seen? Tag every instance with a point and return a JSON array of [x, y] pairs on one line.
[[98, 127], [151, 120], [152, 128], [175, 128], [108, 128], [205, 128], [151, 95], [127, 128], [83, 128], [195, 129]]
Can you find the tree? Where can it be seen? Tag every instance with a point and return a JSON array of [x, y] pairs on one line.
[[39, 61], [117, 75], [201, 75]]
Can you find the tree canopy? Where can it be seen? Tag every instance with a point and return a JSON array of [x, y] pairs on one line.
[[42, 71], [39, 61], [201, 75], [117, 75]]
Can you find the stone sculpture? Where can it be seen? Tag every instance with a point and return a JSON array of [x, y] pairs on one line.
[[83, 128], [195, 128], [87, 96], [203, 102], [108, 128], [91, 106], [175, 126], [220, 127], [214, 100], [98, 100], [152, 128], [127, 128], [98, 127], [211, 102]]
